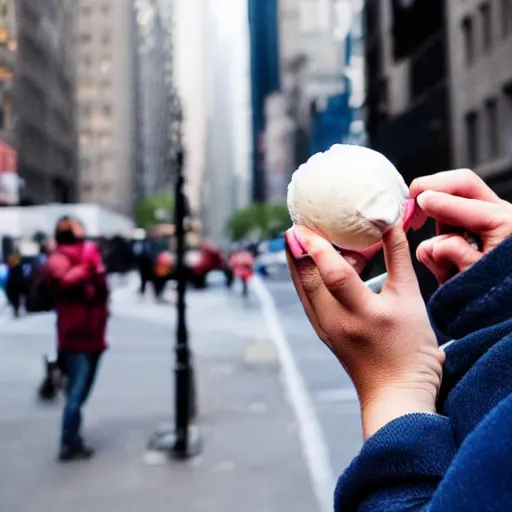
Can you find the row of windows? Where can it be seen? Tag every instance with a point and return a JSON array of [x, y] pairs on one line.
[[105, 65], [478, 29], [489, 130], [87, 110], [103, 139], [88, 10], [87, 37]]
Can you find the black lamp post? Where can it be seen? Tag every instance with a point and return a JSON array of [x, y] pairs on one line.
[[183, 441]]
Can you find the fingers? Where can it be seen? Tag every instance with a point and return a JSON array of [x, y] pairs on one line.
[[338, 276], [460, 182], [294, 266], [398, 259], [474, 215], [442, 254]]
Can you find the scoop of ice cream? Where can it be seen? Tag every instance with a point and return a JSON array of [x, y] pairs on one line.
[[350, 195]]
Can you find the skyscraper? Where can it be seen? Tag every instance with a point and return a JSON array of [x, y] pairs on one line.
[[44, 103], [106, 98], [265, 80], [153, 172]]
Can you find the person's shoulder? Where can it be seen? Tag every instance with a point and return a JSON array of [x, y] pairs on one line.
[[57, 260]]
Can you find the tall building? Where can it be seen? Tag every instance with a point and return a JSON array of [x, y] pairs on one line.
[[189, 71], [107, 98], [227, 171], [311, 110], [407, 103], [44, 100], [265, 80], [407, 75], [480, 43], [153, 172], [9, 180]]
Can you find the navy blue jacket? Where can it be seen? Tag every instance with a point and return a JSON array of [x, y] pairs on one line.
[[459, 460]]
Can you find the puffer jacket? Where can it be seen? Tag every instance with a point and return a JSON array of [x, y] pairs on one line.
[[460, 459], [77, 277]]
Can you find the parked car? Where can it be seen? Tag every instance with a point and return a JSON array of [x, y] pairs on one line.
[[271, 258], [202, 260]]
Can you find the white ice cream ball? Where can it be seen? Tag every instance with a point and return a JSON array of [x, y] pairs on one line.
[[350, 195]]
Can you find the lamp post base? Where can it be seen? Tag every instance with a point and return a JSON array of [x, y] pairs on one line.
[[165, 440]]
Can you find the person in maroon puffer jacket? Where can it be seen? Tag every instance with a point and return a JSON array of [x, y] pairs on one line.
[[77, 276]]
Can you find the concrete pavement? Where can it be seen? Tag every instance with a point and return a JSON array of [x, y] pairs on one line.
[[252, 458]]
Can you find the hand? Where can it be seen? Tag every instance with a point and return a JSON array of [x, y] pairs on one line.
[[462, 204], [385, 341]]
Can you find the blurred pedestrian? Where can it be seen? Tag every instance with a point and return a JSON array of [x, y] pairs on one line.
[[15, 284], [77, 274], [241, 263]]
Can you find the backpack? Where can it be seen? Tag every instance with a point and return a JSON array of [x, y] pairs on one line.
[[40, 293]]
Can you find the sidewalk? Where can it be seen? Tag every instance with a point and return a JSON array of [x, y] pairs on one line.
[[251, 460]]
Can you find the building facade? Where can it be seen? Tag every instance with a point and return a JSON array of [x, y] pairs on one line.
[[227, 171], [9, 178], [407, 107], [407, 110], [107, 99], [265, 80], [153, 173], [480, 36], [43, 98]]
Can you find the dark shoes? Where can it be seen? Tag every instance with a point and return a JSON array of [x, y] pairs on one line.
[[78, 453]]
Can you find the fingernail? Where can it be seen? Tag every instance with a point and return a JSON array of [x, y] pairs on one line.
[[294, 245]]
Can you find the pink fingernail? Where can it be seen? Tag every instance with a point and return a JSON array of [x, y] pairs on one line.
[[413, 215], [294, 245]]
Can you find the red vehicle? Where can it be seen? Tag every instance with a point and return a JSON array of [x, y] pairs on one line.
[[201, 257]]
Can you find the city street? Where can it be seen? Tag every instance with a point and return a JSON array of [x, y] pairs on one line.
[[331, 391], [252, 458]]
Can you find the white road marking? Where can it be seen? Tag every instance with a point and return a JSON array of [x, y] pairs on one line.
[[336, 395], [312, 438]]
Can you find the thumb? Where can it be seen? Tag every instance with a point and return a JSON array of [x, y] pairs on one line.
[[398, 259]]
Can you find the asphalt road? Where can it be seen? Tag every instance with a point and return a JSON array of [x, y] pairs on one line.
[[330, 388]]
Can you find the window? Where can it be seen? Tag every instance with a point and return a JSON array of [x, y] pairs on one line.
[[105, 140], [87, 62], [469, 43], [472, 138], [105, 164], [105, 66], [105, 85], [106, 38], [506, 17], [486, 16], [86, 10], [107, 111], [85, 139], [105, 9], [85, 38], [85, 111], [492, 131]]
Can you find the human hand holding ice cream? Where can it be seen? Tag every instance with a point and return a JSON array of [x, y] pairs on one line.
[[352, 201]]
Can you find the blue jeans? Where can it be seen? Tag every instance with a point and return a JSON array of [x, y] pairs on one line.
[[80, 368]]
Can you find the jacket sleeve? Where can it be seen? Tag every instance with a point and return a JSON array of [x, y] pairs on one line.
[[411, 465], [399, 468], [67, 275]]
